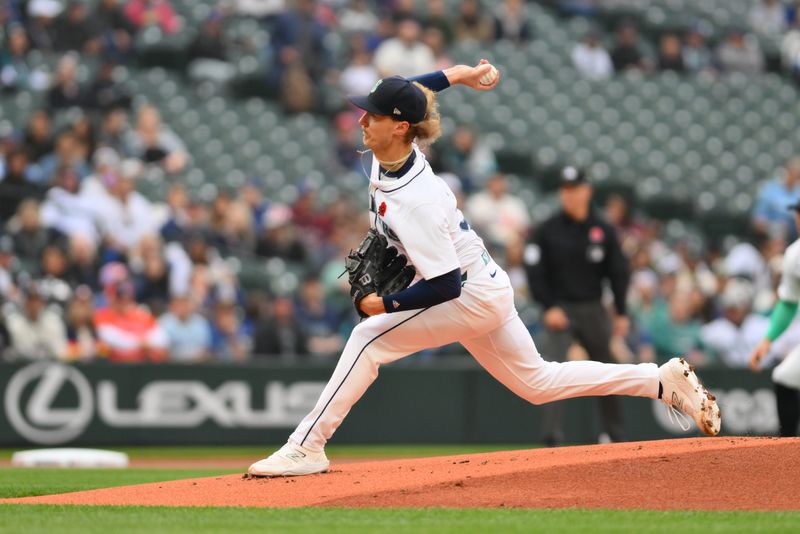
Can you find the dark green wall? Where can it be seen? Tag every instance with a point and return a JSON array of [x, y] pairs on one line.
[[226, 404]]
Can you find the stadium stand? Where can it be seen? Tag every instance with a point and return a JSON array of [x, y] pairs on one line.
[[688, 152]]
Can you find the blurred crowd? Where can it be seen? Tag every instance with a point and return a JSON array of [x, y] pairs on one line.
[[381, 37], [709, 301], [374, 38], [689, 51], [90, 268]]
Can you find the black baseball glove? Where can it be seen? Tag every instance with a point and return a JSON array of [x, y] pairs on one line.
[[375, 267]]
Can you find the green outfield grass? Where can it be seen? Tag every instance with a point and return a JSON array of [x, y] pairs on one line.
[[87, 520], [28, 482]]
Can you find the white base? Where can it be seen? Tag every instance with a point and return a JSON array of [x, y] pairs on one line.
[[70, 458]]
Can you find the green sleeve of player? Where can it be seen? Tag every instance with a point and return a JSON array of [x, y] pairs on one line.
[[781, 318]]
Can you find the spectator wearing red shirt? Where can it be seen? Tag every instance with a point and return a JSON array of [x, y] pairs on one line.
[[152, 12], [130, 332], [309, 215]]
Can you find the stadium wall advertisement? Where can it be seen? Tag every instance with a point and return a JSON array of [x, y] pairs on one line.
[[54, 404]]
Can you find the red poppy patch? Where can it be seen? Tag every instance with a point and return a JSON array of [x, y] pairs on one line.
[[382, 209], [596, 234]]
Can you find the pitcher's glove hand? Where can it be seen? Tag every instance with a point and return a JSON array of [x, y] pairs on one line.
[[375, 267], [395, 274]]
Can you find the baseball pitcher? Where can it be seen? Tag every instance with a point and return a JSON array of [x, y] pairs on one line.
[[458, 293]]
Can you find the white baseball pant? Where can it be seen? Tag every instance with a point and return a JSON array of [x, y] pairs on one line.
[[787, 373], [483, 319]]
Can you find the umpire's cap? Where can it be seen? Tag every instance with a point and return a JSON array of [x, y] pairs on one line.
[[572, 176], [395, 97]]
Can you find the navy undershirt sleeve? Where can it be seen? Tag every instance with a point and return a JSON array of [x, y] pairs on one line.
[[435, 81], [425, 293]]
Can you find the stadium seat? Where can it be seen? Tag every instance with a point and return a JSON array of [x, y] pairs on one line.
[[673, 130]]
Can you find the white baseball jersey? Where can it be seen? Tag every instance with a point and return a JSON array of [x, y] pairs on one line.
[[733, 344], [787, 373], [789, 289], [417, 213]]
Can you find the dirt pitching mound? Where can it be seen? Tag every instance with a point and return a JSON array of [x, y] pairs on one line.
[[700, 474]]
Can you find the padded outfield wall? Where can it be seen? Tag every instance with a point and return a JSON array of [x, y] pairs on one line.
[[53, 404]]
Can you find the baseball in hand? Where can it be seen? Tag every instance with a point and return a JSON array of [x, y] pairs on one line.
[[489, 77]]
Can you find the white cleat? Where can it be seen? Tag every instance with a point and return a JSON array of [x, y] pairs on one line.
[[290, 460], [682, 390]]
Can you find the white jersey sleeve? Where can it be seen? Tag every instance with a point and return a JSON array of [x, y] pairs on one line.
[[789, 289], [425, 235]]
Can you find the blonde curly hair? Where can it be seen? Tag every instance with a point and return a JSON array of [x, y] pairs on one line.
[[429, 129]]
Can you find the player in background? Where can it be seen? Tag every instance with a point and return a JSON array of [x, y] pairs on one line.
[[786, 376], [460, 294]]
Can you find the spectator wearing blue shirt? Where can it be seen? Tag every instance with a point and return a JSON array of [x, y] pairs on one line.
[[15, 72], [301, 56], [252, 195], [770, 213], [696, 56], [69, 152], [229, 339], [320, 320], [10, 12], [188, 332]]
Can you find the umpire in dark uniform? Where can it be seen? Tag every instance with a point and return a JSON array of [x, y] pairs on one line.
[[568, 260]]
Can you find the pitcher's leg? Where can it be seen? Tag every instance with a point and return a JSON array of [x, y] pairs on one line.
[[509, 354], [555, 346], [384, 339], [358, 366], [594, 332]]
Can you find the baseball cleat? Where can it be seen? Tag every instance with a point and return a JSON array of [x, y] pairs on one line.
[[290, 460], [683, 391]]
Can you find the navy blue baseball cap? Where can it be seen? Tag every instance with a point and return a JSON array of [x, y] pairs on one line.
[[395, 97]]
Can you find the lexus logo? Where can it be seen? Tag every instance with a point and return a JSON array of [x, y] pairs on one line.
[[51, 403], [40, 422]]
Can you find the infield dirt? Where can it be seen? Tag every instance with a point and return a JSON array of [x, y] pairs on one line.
[[696, 473]]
